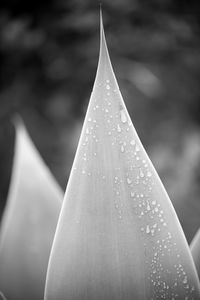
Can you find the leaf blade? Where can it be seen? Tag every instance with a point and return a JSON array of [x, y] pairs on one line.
[[117, 220], [29, 222]]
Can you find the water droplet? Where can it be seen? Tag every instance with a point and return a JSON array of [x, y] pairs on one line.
[[147, 229], [149, 174], [153, 202], [185, 280], [132, 142], [129, 181], [87, 130], [137, 148], [141, 173], [132, 194], [118, 128], [123, 116], [107, 86], [122, 148]]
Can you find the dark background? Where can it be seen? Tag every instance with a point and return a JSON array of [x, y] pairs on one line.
[[48, 59]]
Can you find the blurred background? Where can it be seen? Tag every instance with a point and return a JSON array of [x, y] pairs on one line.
[[48, 59]]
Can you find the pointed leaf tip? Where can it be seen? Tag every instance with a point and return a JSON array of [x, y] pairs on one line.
[[118, 236], [101, 19], [104, 67], [29, 222], [103, 45]]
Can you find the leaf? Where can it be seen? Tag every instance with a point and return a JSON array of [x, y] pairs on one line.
[[195, 250], [118, 236], [2, 297], [29, 223]]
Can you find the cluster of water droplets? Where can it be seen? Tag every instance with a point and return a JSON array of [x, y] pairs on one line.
[[139, 182], [165, 283]]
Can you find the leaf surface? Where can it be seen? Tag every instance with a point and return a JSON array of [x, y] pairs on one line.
[[118, 236], [29, 223]]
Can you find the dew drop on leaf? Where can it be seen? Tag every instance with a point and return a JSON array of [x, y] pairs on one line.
[[122, 148], [123, 116], [132, 142], [118, 128], [149, 174]]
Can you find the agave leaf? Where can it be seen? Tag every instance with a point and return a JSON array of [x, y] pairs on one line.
[[195, 249], [29, 223], [118, 236]]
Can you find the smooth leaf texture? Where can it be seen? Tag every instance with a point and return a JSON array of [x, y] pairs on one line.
[[29, 223], [118, 236], [195, 249]]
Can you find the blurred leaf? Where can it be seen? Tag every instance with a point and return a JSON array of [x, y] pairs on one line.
[[118, 236], [2, 296], [195, 249], [29, 222]]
